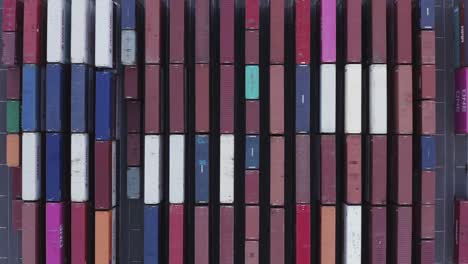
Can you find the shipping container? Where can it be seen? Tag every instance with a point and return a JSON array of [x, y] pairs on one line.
[[227, 98], [13, 83], [328, 98], [328, 31], [33, 31], [12, 15], [427, 82], [461, 91], [277, 26], [277, 170], [427, 251], [226, 235], [427, 118], [129, 50], [176, 32], [177, 92], [176, 168], [403, 100], [131, 87], [252, 117], [56, 162], [202, 33], [57, 240], [133, 182], [58, 31], [377, 28], [252, 186], [80, 228], [460, 229], [11, 48], [16, 214], [377, 183], [133, 149], [252, 152], [105, 106], [426, 14], [353, 98], [303, 31], [15, 177], [327, 234], [401, 181], [56, 98], [303, 98], [252, 222], [428, 187], [202, 98], [252, 82], [353, 31], [79, 167], [252, 43], [251, 252], [226, 32], [153, 95], [377, 235], [129, 19], [277, 108], [82, 98], [303, 234], [151, 234], [425, 217], [13, 150], [133, 116], [82, 32], [32, 236], [202, 168], [252, 14], [456, 29], [153, 169], [104, 37], [353, 169], [327, 169], [352, 234], [463, 33], [277, 236], [31, 163], [202, 235], [176, 234], [401, 234], [105, 188], [153, 31], [105, 237], [378, 99], [402, 28], [428, 153], [13, 116], [303, 176], [427, 48], [226, 169]]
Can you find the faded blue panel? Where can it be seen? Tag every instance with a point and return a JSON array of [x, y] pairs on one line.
[[55, 98], [105, 104], [31, 104], [302, 99], [151, 227], [202, 168], [252, 152]]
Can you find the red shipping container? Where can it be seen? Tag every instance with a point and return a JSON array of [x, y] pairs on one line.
[[401, 235], [103, 175], [12, 15], [353, 31], [403, 99], [133, 150], [427, 47], [133, 116], [251, 252], [131, 82], [377, 235], [303, 169], [303, 240], [33, 31], [16, 209], [11, 42], [202, 234], [302, 31], [251, 187], [226, 101], [252, 42], [327, 169], [353, 179], [277, 26], [426, 252], [226, 235], [152, 98], [13, 83], [176, 31], [276, 99], [427, 119], [226, 31], [461, 231], [176, 98], [252, 222], [176, 234], [378, 31], [403, 32], [16, 182], [427, 82], [277, 236], [425, 217], [377, 191], [152, 31], [79, 233], [277, 171], [252, 14], [402, 175], [428, 187], [33, 239], [202, 31], [252, 117], [202, 98]]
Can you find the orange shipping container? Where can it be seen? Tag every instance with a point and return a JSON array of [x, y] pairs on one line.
[[327, 234], [13, 150], [105, 235]]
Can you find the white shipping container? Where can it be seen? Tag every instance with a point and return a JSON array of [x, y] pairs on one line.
[[58, 31], [226, 169], [82, 31], [79, 167], [114, 173], [104, 34], [328, 98], [31, 162], [378, 99], [129, 47], [152, 172], [352, 234], [353, 98], [176, 168]]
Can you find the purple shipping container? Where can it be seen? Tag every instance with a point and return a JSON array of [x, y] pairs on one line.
[[56, 233], [328, 31], [461, 90]]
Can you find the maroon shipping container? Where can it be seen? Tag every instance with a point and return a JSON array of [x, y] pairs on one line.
[[251, 252], [252, 42], [226, 31], [16, 214], [403, 100], [402, 170], [176, 31], [303, 169], [427, 119], [403, 32], [176, 98], [428, 187], [202, 98], [252, 14], [277, 10], [33, 239], [252, 117], [176, 234], [79, 233], [103, 175], [202, 234], [226, 235], [133, 116], [12, 15], [11, 42], [131, 82], [303, 31], [378, 31], [16, 182], [377, 185], [251, 186], [303, 240], [426, 252], [13, 83], [252, 222], [461, 231], [427, 47], [227, 97], [425, 221], [202, 31], [427, 82], [277, 171], [377, 245], [133, 150], [353, 31], [401, 235], [277, 236], [33, 31], [152, 31], [152, 98], [277, 99], [328, 169], [353, 178]]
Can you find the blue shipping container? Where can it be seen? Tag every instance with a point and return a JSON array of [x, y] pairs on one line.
[[31, 105], [427, 14], [302, 99], [55, 98], [105, 105], [82, 94], [129, 14], [55, 167], [151, 234], [252, 152], [202, 168], [428, 153]]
